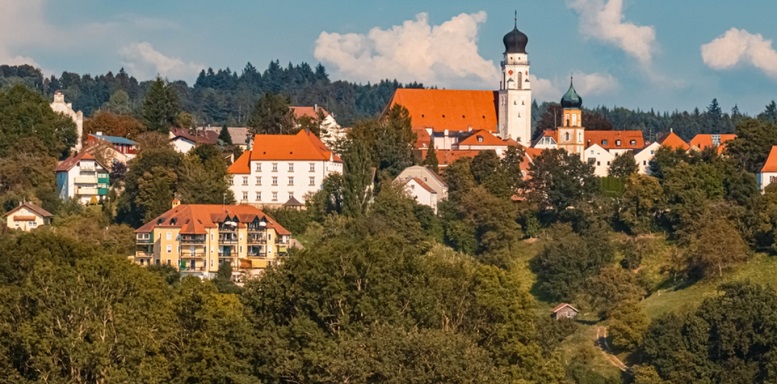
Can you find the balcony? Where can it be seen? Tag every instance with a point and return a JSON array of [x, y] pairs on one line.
[[85, 180], [192, 240], [142, 254], [199, 254], [228, 238], [104, 180], [192, 269], [257, 239], [283, 249], [86, 191], [144, 240]]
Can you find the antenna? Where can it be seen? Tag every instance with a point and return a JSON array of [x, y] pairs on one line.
[[515, 19]]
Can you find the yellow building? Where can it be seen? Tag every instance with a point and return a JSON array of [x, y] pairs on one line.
[[197, 238], [27, 216]]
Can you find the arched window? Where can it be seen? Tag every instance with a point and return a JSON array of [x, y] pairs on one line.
[[566, 136], [574, 120]]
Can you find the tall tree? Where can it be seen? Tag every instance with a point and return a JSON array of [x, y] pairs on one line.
[[161, 107], [224, 135], [271, 115], [559, 180], [431, 160], [624, 166]]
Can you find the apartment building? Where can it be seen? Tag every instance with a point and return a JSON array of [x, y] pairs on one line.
[[82, 177], [197, 238], [281, 169]]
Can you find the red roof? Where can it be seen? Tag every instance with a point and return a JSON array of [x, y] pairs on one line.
[[455, 110], [671, 140], [446, 157], [72, 161], [302, 146], [194, 219], [424, 185], [422, 138], [32, 207], [562, 306], [310, 111], [771, 162], [704, 141], [611, 139], [484, 138], [202, 137], [241, 165]]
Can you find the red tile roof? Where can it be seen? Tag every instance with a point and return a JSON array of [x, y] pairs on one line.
[[422, 138], [424, 185], [194, 219], [242, 165], [671, 140], [202, 137], [562, 306], [609, 139], [484, 138], [771, 162], [455, 110], [72, 161], [302, 146], [446, 157], [704, 141], [310, 111]]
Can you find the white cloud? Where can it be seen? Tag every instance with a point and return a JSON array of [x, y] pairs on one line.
[[603, 20], [444, 55], [738, 46], [143, 60]]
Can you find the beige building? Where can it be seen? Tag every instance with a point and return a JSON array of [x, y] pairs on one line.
[[197, 238], [60, 106], [27, 216]]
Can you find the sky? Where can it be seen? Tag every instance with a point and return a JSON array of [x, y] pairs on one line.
[[648, 54]]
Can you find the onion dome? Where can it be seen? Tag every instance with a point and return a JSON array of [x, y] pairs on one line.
[[571, 99], [515, 41]]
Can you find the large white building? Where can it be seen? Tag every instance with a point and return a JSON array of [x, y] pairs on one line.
[[82, 177], [66, 109], [282, 169]]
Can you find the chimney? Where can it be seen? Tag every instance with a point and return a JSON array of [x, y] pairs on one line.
[[99, 133], [315, 108]]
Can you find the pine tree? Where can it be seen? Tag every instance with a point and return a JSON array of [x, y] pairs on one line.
[[224, 136], [431, 161], [160, 107]]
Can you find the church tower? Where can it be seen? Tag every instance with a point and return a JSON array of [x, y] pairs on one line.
[[515, 89], [571, 133]]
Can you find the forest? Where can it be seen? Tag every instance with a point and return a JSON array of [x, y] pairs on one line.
[[675, 267]]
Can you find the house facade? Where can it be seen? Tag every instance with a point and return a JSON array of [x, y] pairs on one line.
[[196, 239], [184, 141], [123, 149], [768, 174], [281, 168], [27, 216], [82, 177], [423, 185], [60, 106]]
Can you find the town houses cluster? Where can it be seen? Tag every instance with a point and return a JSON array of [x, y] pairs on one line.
[[285, 170]]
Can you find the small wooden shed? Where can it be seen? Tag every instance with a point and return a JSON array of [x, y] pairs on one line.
[[564, 311]]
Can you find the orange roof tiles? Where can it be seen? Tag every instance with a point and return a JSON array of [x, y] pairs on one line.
[[610, 139], [241, 165], [32, 207], [194, 219], [310, 111], [483, 137], [771, 162], [671, 140], [446, 157], [71, 162], [302, 146], [424, 185], [422, 138], [704, 141], [455, 110]]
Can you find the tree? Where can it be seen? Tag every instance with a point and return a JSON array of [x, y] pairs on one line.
[[458, 176], [769, 115], [201, 178], [271, 115], [149, 185], [755, 139], [119, 103], [156, 190], [624, 166], [714, 247], [628, 323], [559, 180], [431, 160], [224, 136], [26, 173], [25, 114], [160, 107], [357, 178], [111, 124], [390, 140], [642, 202]]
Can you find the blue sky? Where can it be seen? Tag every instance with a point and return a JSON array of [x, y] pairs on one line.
[[636, 53]]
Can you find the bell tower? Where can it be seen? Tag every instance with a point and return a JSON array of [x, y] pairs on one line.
[[571, 133], [515, 89]]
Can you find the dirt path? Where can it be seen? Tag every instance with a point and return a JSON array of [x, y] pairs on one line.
[[601, 341]]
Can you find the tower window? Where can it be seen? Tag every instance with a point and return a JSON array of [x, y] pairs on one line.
[[566, 136]]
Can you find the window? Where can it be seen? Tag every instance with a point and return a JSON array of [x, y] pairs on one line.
[[312, 181], [604, 142], [168, 262], [291, 181], [644, 162], [275, 180], [232, 181], [275, 196], [169, 249], [652, 152], [480, 139], [169, 235], [598, 163], [275, 167], [258, 180], [245, 196], [291, 195], [258, 167], [291, 167], [633, 142], [312, 167], [245, 180], [31, 223], [618, 143], [566, 136], [608, 163], [258, 196]]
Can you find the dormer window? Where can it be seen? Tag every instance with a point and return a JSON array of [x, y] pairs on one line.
[[480, 139], [633, 142], [604, 142], [618, 143]]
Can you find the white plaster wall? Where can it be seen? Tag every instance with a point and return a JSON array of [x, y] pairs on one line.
[[301, 174]]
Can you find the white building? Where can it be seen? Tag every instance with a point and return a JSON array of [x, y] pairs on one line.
[[282, 168], [183, 141], [66, 109], [82, 177], [600, 158], [768, 174], [424, 185]]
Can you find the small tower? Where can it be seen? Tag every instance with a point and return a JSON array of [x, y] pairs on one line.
[[515, 89], [571, 133]]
